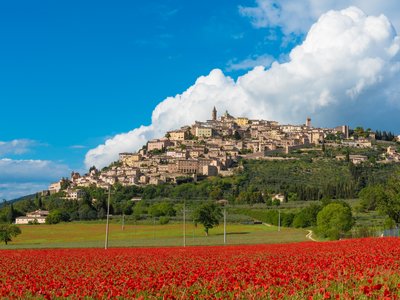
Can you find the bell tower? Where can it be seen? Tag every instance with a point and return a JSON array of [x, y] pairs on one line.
[[308, 122], [214, 114]]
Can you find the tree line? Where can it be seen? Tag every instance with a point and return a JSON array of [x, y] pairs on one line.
[[256, 182], [384, 198], [385, 135]]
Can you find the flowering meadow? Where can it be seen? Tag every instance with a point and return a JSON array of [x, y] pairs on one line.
[[351, 269]]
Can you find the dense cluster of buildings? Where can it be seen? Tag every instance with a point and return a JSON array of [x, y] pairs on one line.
[[205, 148]]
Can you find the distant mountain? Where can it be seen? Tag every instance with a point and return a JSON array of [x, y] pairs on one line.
[[17, 199]]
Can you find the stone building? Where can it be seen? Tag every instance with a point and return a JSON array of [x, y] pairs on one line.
[[188, 166], [160, 144], [204, 132], [130, 159], [178, 135]]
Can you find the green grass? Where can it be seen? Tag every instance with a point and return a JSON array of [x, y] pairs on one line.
[[370, 219], [82, 235]]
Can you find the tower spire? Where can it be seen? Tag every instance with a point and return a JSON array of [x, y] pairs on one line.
[[214, 114]]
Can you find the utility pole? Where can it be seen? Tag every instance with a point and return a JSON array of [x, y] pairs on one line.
[[154, 228], [184, 223], [123, 221], [224, 224], [108, 216], [193, 230], [279, 220]]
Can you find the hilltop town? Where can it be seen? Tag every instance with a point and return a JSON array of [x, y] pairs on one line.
[[210, 148]]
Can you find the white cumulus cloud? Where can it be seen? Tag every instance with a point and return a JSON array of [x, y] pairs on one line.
[[297, 16], [22, 177], [346, 70], [18, 146], [31, 170]]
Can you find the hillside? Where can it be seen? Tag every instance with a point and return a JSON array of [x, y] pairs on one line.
[[255, 162], [26, 197]]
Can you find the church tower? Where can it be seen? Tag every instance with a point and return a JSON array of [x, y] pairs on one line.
[[308, 122], [214, 114]]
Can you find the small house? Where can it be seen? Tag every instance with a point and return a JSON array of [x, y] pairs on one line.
[[37, 216]]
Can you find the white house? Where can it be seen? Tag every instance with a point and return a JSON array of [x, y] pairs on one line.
[[38, 215], [279, 197]]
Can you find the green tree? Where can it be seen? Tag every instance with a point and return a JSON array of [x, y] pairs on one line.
[[358, 132], [334, 220], [389, 223], [347, 154], [372, 196], [87, 213], [287, 219], [7, 213], [330, 137], [307, 216], [65, 183], [292, 197], [10, 214], [390, 204], [57, 216], [164, 220], [216, 193], [207, 214], [25, 206], [53, 218], [139, 210], [164, 208], [38, 201], [127, 207], [8, 231]]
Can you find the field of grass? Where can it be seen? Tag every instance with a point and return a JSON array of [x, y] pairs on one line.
[[81, 235], [370, 219]]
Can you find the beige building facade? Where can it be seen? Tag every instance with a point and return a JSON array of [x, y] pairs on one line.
[[38, 216], [205, 132], [130, 159], [158, 144], [178, 135], [242, 121]]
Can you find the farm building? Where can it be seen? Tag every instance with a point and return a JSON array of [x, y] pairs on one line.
[[38, 215]]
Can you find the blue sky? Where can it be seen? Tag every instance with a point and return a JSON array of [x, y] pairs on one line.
[[72, 74], [76, 74]]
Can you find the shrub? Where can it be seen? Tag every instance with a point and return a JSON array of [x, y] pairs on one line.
[[164, 220], [334, 220]]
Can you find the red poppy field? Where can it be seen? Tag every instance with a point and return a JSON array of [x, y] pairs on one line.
[[352, 269]]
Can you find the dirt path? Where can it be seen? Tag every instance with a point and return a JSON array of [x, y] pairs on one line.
[[309, 235]]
